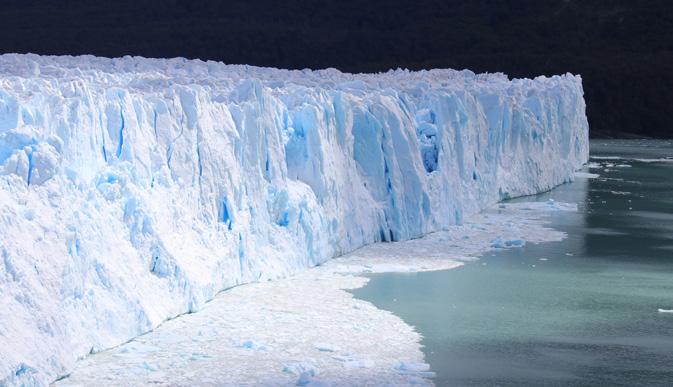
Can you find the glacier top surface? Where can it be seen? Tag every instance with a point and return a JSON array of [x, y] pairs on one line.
[[151, 74]]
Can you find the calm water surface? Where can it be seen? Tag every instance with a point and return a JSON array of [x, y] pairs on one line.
[[578, 312]]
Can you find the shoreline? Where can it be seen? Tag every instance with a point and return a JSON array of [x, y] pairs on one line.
[[284, 331]]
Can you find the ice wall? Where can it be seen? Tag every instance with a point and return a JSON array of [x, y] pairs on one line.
[[133, 190]]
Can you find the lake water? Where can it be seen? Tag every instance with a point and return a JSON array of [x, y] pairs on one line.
[[583, 311]]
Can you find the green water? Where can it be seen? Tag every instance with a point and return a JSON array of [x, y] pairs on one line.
[[587, 315]]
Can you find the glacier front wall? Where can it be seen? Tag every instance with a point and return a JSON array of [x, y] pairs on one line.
[[133, 190]]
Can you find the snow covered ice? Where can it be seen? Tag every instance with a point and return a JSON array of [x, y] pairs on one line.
[[133, 190]]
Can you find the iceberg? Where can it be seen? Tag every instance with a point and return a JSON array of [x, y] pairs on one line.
[[133, 190]]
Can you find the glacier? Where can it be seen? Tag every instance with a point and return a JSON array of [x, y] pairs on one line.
[[284, 332], [133, 190]]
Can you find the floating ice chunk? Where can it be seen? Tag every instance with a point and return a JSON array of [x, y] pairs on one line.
[[501, 243], [422, 369], [406, 366], [659, 160], [498, 243], [586, 175], [515, 243], [606, 157], [641, 160]]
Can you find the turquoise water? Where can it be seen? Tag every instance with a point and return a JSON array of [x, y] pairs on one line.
[[583, 311]]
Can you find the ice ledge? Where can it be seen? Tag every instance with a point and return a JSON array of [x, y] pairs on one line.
[[133, 190]]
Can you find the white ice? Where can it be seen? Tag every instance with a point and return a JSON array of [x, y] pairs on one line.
[[659, 160], [133, 190], [308, 328], [586, 175], [641, 160]]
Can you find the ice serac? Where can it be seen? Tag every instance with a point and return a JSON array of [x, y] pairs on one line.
[[133, 190]]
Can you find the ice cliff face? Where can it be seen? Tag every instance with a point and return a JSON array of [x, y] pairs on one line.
[[133, 190]]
